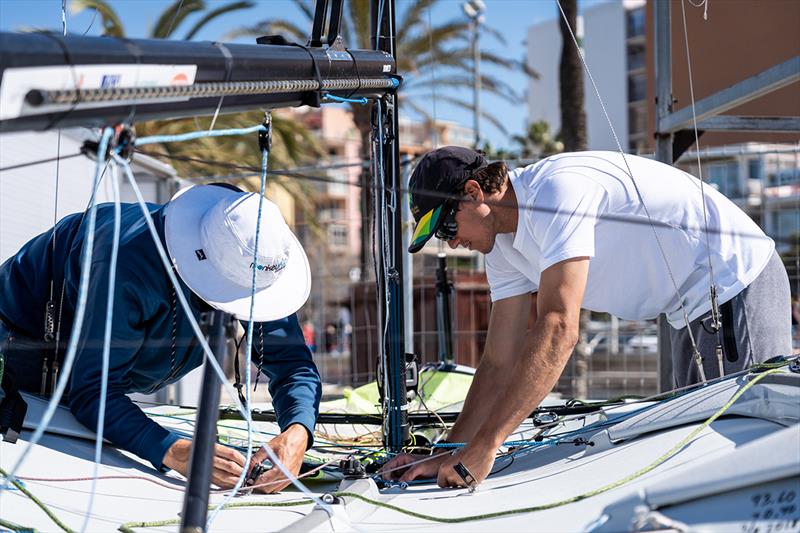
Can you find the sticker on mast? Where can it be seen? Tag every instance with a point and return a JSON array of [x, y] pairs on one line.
[[18, 82]]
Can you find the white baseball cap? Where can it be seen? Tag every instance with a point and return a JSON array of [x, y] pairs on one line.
[[210, 232]]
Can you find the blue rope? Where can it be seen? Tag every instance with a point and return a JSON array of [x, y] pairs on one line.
[[153, 139], [361, 100]]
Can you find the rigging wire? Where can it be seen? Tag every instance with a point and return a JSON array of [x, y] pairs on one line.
[[716, 324], [437, 194], [697, 356], [40, 161]]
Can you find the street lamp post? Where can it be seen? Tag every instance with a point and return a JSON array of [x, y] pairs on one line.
[[474, 9]]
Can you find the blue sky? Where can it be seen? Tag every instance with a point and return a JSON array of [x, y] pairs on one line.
[[511, 17]]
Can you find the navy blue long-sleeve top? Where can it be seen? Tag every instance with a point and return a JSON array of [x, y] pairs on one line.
[[142, 339]]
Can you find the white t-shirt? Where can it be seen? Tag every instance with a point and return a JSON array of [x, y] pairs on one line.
[[585, 204]]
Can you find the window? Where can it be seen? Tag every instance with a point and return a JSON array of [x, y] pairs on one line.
[[637, 119], [637, 87], [725, 176], [636, 57], [635, 22], [755, 170], [337, 235]]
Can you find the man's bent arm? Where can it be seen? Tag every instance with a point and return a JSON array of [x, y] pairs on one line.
[[506, 337], [294, 383], [532, 375]]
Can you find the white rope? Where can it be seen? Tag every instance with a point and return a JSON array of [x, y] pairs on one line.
[[196, 328], [80, 311], [703, 4], [112, 277], [249, 348]]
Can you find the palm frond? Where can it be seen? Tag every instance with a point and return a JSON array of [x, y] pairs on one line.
[[416, 15], [269, 27], [112, 24], [172, 17], [360, 23], [211, 15]]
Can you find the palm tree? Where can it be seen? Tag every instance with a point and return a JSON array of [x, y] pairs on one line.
[[428, 55], [537, 141], [167, 23], [573, 117], [573, 133]]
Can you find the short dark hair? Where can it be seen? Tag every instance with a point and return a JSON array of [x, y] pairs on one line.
[[491, 177]]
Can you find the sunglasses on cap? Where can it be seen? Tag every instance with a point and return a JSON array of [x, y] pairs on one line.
[[449, 228]]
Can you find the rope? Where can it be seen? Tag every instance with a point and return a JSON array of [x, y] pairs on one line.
[[129, 526], [160, 139], [362, 100], [112, 278], [35, 500], [14, 527], [249, 348], [605, 488], [80, 310]]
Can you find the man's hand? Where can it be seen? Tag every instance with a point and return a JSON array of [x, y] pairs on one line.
[[425, 466], [477, 458], [226, 469], [289, 447]]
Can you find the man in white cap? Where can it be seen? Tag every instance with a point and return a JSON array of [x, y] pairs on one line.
[[209, 232]]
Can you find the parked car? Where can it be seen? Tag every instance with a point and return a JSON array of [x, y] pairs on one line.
[[642, 344]]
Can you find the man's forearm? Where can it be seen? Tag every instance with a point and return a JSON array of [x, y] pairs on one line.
[[480, 401], [528, 382]]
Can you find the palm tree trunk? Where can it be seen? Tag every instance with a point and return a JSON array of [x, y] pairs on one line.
[[573, 117], [573, 135], [363, 121]]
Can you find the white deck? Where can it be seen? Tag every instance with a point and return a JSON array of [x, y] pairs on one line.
[[742, 473]]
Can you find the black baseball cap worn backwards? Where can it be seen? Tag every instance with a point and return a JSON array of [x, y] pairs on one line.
[[442, 172]]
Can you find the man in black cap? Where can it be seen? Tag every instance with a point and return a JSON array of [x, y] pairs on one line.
[[611, 233]]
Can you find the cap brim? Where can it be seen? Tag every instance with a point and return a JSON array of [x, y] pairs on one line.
[[284, 297], [426, 228]]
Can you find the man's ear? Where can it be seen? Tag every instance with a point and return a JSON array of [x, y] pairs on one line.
[[473, 190]]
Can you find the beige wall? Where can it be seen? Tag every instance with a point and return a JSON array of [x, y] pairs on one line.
[[740, 39]]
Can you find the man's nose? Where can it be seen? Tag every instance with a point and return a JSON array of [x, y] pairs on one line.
[[453, 243]]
